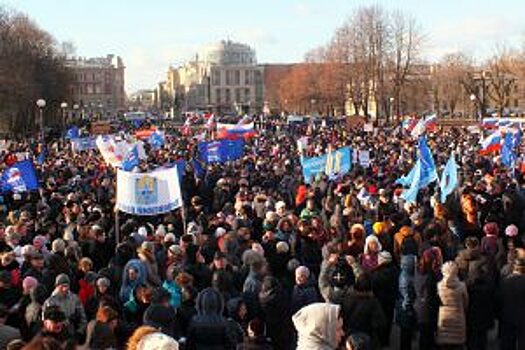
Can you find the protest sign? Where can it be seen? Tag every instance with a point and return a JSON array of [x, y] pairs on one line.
[[332, 164]]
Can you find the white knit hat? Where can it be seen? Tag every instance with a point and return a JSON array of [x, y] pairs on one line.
[[157, 341]]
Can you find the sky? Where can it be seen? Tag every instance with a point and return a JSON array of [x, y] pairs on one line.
[[150, 35]]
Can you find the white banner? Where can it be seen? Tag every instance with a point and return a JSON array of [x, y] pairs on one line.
[[148, 193]]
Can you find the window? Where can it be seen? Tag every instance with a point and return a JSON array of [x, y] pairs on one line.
[[246, 95], [247, 76], [238, 95], [237, 77], [93, 76], [228, 77], [228, 96], [218, 96], [216, 77], [89, 88]]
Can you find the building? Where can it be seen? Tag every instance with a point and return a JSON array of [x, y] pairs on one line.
[[224, 79], [143, 100], [98, 83]]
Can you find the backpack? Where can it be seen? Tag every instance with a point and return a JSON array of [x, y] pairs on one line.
[[409, 246]]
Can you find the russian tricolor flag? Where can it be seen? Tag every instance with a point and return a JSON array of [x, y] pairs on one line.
[[233, 131], [491, 143]]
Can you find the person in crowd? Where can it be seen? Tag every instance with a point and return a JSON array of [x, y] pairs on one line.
[[319, 326], [100, 332], [304, 291], [453, 295]]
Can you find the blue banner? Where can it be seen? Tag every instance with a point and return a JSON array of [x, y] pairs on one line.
[[83, 144], [21, 177], [73, 132], [221, 151], [332, 164]]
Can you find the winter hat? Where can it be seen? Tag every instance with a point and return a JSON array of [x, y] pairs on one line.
[[58, 246], [27, 250], [170, 237], [379, 228], [491, 229], [511, 231], [149, 246], [175, 249], [293, 264], [369, 239], [384, 258], [280, 205], [161, 231], [157, 341], [220, 231], [29, 283], [103, 282], [282, 248], [62, 279]]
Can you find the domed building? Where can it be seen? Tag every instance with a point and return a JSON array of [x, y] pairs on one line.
[[224, 79]]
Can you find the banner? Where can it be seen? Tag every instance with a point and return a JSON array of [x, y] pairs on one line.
[[221, 151], [114, 152], [364, 158], [332, 164], [83, 144], [152, 193], [20, 177]]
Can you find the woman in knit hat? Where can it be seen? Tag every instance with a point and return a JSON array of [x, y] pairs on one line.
[[369, 258], [452, 328]]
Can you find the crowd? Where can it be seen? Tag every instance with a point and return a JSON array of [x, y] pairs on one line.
[[259, 259]]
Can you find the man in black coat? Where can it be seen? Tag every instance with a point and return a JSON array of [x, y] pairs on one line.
[[512, 309], [385, 287]]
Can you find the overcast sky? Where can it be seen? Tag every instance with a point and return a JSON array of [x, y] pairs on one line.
[[151, 34]]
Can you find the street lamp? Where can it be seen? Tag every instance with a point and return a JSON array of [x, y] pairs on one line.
[[473, 99], [41, 103], [100, 106], [390, 113], [75, 109], [63, 105]]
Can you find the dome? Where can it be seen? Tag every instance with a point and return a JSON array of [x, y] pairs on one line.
[[227, 52]]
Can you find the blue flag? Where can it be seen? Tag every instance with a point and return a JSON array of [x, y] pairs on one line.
[[132, 160], [41, 157], [181, 168], [20, 177], [406, 180], [508, 155], [449, 178], [200, 172], [137, 123], [73, 132], [156, 140], [221, 151], [428, 167], [410, 194]]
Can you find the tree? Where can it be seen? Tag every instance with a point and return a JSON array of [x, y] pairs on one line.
[[30, 68]]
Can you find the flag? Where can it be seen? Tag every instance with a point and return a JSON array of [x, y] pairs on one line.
[[428, 167], [112, 151], [137, 123], [41, 156], [245, 120], [406, 180], [73, 132], [132, 159], [410, 194], [491, 143], [234, 131], [186, 128], [210, 121], [197, 168], [20, 177], [449, 178], [511, 141], [157, 139], [428, 123], [181, 168], [221, 151]]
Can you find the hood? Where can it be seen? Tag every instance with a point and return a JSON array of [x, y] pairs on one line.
[[316, 326], [209, 302]]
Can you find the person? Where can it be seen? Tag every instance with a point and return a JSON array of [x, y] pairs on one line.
[[452, 328], [160, 314], [146, 337], [256, 339], [479, 273], [208, 329], [362, 312], [70, 305], [100, 332], [55, 326], [7, 333], [512, 306], [385, 281], [358, 341], [405, 312], [319, 326], [304, 292], [426, 306]]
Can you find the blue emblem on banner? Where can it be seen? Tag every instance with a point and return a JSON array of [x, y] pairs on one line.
[[146, 190]]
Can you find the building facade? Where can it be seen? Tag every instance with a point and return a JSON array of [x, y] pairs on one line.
[[98, 83], [224, 79]]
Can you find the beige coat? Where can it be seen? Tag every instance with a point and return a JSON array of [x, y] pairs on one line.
[[452, 328]]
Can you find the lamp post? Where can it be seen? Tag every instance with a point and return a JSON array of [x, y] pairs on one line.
[[100, 106], [75, 109], [391, 109], [473, 99], [41, 103], [63, 105]]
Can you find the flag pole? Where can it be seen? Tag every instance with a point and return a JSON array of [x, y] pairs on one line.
[[117, 226]]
